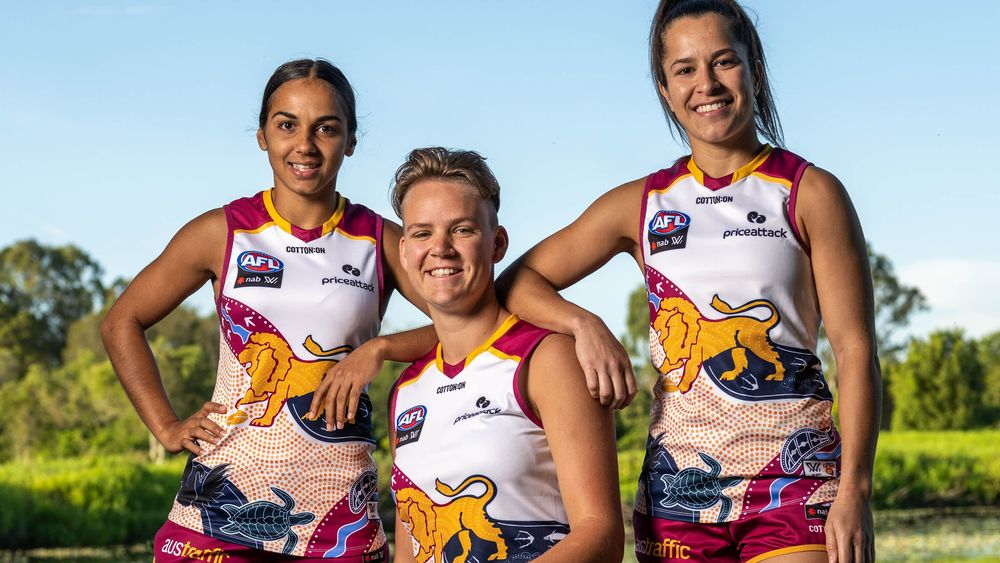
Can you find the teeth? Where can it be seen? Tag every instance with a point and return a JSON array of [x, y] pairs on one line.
[[304, 166], [711, 107], [438, 272]]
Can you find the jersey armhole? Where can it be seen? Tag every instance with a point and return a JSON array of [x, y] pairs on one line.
[[642, 219], [792, 199], [225, 257], [520, 382], [382, 292]]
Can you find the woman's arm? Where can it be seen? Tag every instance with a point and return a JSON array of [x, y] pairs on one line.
[[340, 391], [831, 230], [192, 257], [529, 287], [580, 433]]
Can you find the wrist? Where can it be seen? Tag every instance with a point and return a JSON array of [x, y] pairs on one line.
[[583, 321], [855, 488]]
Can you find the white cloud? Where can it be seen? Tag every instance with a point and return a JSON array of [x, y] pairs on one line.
[[961, 293]]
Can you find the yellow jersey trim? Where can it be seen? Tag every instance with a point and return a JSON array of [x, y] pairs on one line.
[[787, 550], [677, 179], [344, 233], [503, 356], [503, 328], [328, 226], [740, 173], [774, 179], [259, 229]]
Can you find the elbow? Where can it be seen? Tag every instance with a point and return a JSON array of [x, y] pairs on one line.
[[607, 534]]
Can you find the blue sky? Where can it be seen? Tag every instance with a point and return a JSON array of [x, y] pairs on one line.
[[125, 119]]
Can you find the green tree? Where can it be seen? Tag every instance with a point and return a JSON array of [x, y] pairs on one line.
[[43, 289], [895, 303], [939, 385], [989, 358]]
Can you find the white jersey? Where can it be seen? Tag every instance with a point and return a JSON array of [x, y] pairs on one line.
[[741, 417], [473, 474], [292, 303]]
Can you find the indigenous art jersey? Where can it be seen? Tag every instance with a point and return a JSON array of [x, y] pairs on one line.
[[292, 302], [474, 478], [741, 420]]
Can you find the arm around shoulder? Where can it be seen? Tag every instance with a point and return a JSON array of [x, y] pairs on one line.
[[580, 433]]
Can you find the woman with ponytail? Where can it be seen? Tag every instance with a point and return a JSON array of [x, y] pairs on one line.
[[744, 247]]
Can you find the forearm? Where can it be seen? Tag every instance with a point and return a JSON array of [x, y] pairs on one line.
[[593, 539], [133, 361], [527, 294], [406, 346], [860, 406]]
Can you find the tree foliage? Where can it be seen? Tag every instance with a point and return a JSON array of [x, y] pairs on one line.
[[43, 289], [939, 386]]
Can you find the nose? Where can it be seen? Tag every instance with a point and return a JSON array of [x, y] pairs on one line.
[[707, 81], [442, 246], [305, 143]]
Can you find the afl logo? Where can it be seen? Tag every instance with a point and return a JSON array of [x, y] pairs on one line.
[[259, 262], [668, 222], [411, 418]]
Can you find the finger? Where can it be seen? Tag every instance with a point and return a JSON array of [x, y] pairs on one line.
[[353, 398], [618, 386], [201, 435], [341, 406], [845, 550], [871, 550], [831, 545], [211, 427], [318, 395], [859, 549], [191, 446], [607, 388], [592, 384], [209, 406], [330, 406], [631, 388]]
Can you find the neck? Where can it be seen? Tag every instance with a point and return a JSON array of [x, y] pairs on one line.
[[306, 211], [460, 333], [721, 159]]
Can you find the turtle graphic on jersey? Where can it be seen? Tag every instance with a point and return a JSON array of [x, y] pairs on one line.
[[266, 521], [697, 489]]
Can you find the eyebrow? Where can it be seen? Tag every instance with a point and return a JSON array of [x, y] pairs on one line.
[[689, 60], [456, 221], [331, 117]]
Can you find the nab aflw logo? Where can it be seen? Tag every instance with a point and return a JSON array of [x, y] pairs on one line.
[[668, 230], [409, 425], [258, 269]]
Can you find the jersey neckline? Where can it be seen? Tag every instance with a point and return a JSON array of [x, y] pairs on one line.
[[740, 173], [452, 370], [306, 235]]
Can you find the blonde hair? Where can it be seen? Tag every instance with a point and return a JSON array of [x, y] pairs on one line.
[[468, 167]]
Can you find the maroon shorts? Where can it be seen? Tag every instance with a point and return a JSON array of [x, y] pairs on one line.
[[174, 544], [788, 529]]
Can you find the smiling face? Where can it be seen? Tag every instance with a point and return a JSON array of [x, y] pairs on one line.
[[710, 81], [306, 137], [450, 243]]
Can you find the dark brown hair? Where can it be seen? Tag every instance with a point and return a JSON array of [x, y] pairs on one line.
[[468, 167], [743, 31], [312, 68]]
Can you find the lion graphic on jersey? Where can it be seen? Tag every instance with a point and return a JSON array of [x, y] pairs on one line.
[[433, 525], [276, 374], [688, 338]]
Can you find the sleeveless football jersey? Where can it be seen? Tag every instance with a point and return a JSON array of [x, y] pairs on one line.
[[474, 478], [292, 302], [741, 419]]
